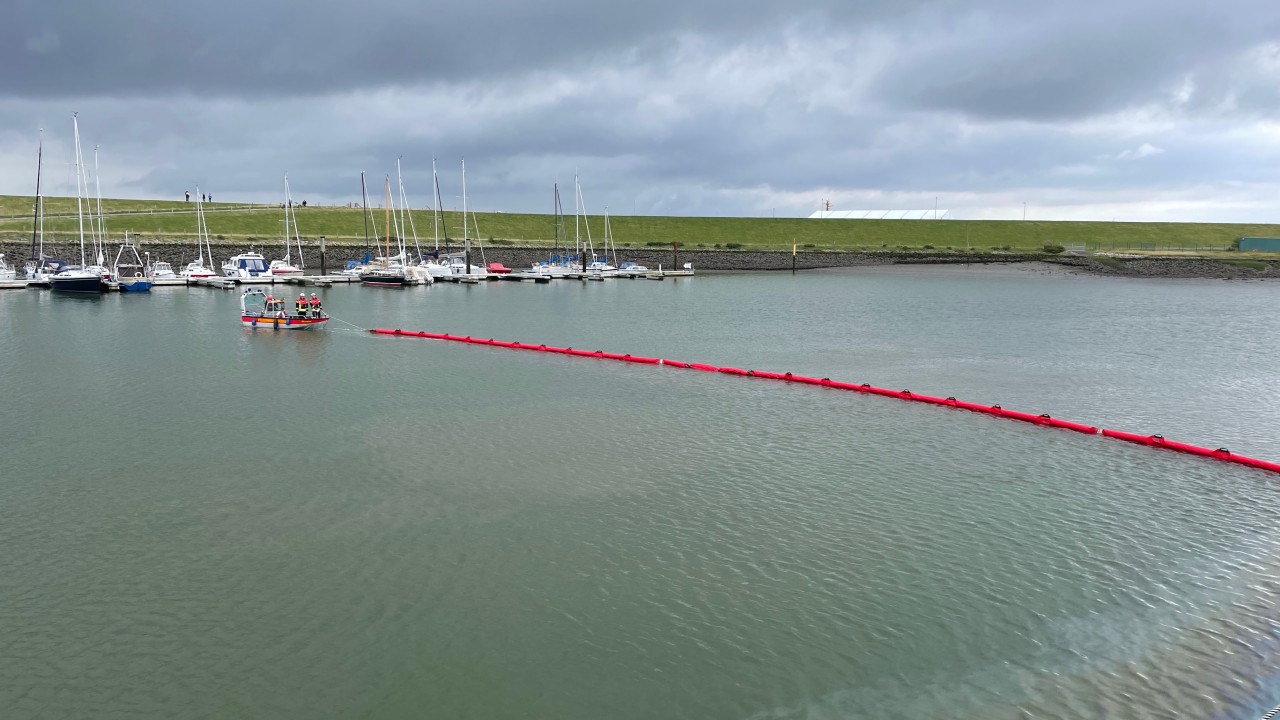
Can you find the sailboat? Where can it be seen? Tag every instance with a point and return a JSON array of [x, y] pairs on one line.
[[597, 269], [38, 269], [78, 279], [97, 224], [418, 274], [284, 266], [385, 271], [437, 266], [197, 269]]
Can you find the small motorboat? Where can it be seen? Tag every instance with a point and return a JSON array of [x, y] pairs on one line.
[[282, 267], [498, 268], [246, 265], [262, 310], [130, 276], [161, 270]]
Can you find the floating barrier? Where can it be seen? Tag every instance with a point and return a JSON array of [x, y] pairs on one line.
[[1043, 420]]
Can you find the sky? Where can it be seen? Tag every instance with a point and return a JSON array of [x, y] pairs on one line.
[[1128, 110]]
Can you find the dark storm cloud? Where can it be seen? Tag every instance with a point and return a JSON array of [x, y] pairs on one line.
[[674, 107], [1069, 60], [287, 47]]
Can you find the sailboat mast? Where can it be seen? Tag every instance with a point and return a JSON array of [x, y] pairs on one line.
[[286, 217], [35, 211], [75, 124], [364, 194], [466, 238], [577, 197], [386, 230], [436, 179], [101, 243], [407, 212]]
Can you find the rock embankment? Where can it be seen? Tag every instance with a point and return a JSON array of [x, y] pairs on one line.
[[703, 259]]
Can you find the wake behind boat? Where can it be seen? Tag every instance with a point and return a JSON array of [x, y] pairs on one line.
[[258, 309]]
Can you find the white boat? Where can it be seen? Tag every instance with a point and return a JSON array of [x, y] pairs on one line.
[[77, 279], [161, 270], [246, 265], [632, 270], [197, 269], [282, 267], [7, 271]]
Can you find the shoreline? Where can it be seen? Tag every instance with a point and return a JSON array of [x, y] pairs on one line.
[[516, 258]]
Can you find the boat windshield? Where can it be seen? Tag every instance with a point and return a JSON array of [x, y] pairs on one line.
[[253, 264], [254, 303]]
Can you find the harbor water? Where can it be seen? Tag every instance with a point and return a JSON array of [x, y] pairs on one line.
[[204, 520]]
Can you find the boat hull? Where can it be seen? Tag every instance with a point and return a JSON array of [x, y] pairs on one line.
[[377, 280], [89, 284], [291, 322], [135, 286]]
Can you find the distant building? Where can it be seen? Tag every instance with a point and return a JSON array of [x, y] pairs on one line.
[[1259, 244], [930, 214]]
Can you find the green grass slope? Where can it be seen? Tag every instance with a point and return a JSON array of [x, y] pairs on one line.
[[262, 224]]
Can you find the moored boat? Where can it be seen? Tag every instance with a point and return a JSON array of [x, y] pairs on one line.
[[161, 270], [77, 278], [246, 265], [131, 276]]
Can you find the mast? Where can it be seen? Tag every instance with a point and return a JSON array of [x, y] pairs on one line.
[[577, 198], [364, 194], [386, 230], [439, 209], [75, 124], [202, 232], [582, 203], [293, 212], [286, 217], [466, 239], [408, 211], [101, 243], [36, 215]]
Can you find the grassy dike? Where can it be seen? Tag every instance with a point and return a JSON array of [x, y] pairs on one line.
[[157, 220]]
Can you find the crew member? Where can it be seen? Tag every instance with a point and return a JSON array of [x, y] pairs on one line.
[[315, 305], [302, 304]]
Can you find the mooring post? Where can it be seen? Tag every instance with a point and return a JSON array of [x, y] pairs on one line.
[[324, 269], [793, 256]]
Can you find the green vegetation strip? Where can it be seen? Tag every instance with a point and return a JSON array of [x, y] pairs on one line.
[[262, 224]]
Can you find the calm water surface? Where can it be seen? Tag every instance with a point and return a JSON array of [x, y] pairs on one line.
[[199, 520]]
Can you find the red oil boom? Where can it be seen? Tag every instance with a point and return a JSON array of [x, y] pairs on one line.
[[1155, 441]]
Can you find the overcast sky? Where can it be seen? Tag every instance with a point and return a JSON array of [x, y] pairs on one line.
[[1126, 110]]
